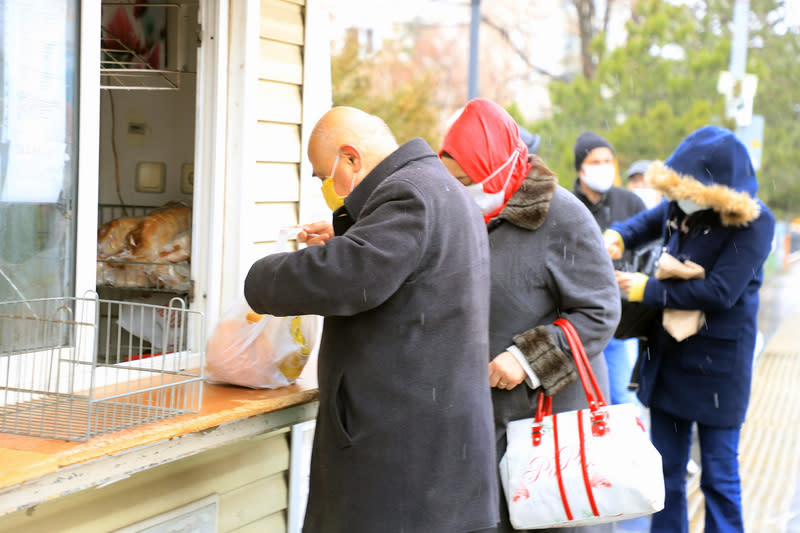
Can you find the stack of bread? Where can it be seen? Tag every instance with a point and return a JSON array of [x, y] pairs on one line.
[[149, 251]]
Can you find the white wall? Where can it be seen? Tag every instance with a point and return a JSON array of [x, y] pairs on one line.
[[168, 119]]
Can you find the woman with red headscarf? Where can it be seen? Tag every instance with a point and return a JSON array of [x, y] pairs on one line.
[[548, 260]]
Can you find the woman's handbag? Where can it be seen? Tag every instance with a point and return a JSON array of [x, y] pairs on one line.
[[605, 469], [637, 320]]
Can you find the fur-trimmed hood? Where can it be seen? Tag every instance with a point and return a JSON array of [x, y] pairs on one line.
[[712, 168]]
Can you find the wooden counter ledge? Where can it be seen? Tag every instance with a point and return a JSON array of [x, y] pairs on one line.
[[228, 413]]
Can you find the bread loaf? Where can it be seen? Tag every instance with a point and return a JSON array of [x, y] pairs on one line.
[[155, 231], [111, 235], [177, 250]]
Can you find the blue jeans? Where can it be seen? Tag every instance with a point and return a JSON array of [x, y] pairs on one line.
[[620, 356], [719, 478]]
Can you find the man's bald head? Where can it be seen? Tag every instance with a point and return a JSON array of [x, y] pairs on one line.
[[359, 139]]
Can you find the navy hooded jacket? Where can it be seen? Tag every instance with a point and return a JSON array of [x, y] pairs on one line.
[[707, 376]]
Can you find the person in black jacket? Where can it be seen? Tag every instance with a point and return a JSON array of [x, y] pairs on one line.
[[594, 186], [404, 436]]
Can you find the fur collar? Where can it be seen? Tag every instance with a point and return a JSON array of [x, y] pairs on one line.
[[735, 208], [527, 208]]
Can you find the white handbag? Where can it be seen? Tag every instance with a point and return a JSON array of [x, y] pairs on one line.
[[606, 468]]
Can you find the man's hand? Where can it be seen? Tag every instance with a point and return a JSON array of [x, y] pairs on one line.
[[315, 233], [505, 372], [614, 244]]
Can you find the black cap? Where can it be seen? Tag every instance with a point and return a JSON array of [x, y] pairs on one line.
[[585, 143]]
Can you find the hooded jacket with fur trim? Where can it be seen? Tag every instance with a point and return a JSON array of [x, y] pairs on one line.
[[706, 377]]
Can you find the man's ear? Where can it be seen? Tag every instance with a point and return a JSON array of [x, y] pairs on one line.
[[351, 154]]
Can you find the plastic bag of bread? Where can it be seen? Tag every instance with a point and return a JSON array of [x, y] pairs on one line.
[[259, 351]]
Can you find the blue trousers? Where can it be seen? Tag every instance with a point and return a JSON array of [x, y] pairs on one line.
[[719, 478], [620, 356]]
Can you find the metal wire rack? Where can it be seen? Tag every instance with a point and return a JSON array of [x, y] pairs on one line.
[[69, 371]]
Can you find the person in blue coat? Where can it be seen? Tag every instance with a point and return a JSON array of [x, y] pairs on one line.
[[715, 220]]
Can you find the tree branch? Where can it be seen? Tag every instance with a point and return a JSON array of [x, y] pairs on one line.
[[507, 38]]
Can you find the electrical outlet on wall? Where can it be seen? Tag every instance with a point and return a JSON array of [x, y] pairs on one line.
[[187, 178], [150, 176]]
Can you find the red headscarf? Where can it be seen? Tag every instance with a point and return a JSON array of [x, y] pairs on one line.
[[482, 139]]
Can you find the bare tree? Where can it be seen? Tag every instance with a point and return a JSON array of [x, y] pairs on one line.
[[588, 29], [504, 34]]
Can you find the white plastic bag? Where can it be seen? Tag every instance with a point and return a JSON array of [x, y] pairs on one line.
[[259, 351], [156, 322]]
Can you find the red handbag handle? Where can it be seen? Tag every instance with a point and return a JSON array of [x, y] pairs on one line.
[[594, 396]]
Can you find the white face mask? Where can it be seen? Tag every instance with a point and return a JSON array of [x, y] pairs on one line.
[[689, 207], [489, 202], [599, 178], [650, 197]]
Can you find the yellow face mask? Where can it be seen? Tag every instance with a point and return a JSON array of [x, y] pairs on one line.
[[332, 198]]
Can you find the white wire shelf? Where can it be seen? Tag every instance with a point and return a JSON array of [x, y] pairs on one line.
[[75, 368]]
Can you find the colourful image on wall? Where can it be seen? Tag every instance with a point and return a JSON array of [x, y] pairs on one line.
[[134, 36]]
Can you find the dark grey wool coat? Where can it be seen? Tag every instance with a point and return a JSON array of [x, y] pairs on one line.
[[404, 439], [548, 261]]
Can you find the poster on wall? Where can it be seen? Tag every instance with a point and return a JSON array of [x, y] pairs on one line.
[[134, 36]]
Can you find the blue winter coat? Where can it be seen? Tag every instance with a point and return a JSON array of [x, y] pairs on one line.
[[706, 377]]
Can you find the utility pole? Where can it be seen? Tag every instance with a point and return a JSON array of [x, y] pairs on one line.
[[739, 41], [739, 87], [474, 27]]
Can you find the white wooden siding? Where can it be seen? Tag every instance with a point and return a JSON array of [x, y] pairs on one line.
[[277, 181], [274, 189], [278, 102], [248, 475], [277, 143], [282, 21], [278, 61]]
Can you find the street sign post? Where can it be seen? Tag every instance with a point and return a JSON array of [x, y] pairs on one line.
[[752, 136]]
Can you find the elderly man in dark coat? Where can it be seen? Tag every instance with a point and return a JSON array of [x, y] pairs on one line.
[[404, 439], [715, 224]]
